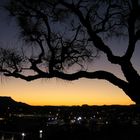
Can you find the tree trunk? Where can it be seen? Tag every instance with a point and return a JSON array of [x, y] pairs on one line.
[[133, 92], [133, 79]]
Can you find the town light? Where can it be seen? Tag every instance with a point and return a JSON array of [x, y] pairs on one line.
[[23, 134], [40, 131], [79, 118]]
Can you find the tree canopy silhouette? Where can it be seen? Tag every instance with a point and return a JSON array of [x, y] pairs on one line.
[[70, 34]]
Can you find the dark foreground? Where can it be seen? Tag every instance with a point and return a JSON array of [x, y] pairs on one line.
[[76, 132], [71, 123], [19, 121]]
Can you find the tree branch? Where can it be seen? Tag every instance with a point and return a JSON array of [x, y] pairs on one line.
[[131, 30], [75, 76], [97, 41], [93, 75]]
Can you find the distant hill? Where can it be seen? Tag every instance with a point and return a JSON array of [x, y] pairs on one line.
[[7, 104], [8, 101]]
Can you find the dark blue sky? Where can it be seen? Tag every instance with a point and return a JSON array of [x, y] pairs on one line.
[[7, 25], [9, 35]]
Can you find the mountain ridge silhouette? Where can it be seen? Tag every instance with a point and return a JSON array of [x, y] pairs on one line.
[[9, 105], [7, 100]]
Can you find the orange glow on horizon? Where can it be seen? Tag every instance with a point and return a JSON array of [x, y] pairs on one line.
[[59, 92]]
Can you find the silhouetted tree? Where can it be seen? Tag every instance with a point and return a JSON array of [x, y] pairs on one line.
[[70, 34]]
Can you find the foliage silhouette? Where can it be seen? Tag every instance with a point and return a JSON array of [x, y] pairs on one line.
[[71, 34]]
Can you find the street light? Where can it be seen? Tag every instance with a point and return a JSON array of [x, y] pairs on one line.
[[40, 134], [23, 135]]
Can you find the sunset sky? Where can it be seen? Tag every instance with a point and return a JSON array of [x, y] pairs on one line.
[[60, 92]]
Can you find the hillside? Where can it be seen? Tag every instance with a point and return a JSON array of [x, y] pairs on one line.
[[7, 104]]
